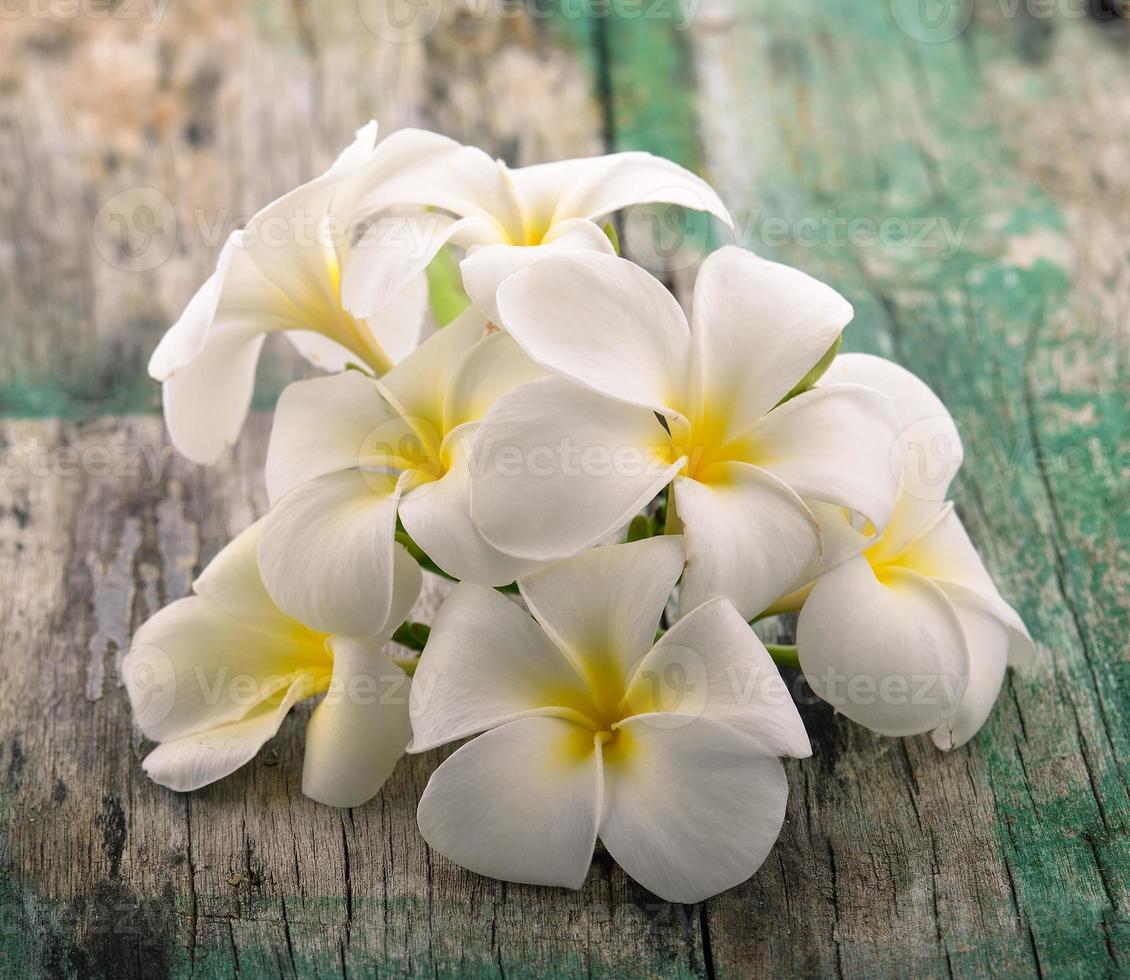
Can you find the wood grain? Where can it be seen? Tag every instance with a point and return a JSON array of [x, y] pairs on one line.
[[1007, 142]]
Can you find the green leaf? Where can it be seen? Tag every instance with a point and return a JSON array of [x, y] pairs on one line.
[[613, 236], [810, 379], [641, 527], [445, 287], [784, 655], [412, 635]]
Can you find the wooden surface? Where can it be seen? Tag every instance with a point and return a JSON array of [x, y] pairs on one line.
[[1004, 151]]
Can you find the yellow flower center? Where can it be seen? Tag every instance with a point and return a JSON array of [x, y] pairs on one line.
[[704, 444]]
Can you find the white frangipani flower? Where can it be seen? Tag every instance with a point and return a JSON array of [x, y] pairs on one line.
[[911, 634], [212, 676], [282, 272], [348, 453], [643, 399], [667, 752], [506, 218]]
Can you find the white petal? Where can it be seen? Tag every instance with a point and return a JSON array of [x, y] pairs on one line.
[[890, 654], [711, 664], [437, 515], [407, 581], [749, 537], [988, 640], [605, 323], [394, 252], [487, 266], [323, 352], [396, 328], [490, 369], [326, 552], [210, 659], [185, 338], [460, 179], [834, 444], [556, 468], [231, 582], [206, 400], [928, 453], [592, 187], [519, 803], [300, 244], [419, 384], [759, 327], [297, 248], [487, 663], [602, 607], [357, 154], [279, 273], [359, 731], [328, 424], [691, 811], [945, 554], [399, 326], [401, 158], [841, 539], [193, 667], [196, 760]]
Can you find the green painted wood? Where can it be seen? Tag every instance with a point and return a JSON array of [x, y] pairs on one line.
[[1002, 147]]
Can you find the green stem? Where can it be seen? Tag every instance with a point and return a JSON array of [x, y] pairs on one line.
[[671, 523], [407, 665], [425, 562], [784, 655], [421, 556]]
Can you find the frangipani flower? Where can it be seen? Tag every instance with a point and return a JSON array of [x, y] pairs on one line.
[[644, 399], [668, 753], [911, 635], [505, 218], [348, 452], [212, 676], [283, 273]]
